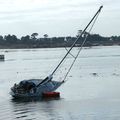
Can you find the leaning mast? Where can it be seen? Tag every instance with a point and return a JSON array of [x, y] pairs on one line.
[[77, 40], [49, 78]]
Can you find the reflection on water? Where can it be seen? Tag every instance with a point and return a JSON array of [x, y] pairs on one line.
[[52, 109], [91, 92], [34, 99], [35, 109]]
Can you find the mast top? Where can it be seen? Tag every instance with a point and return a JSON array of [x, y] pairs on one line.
[[100, 8]]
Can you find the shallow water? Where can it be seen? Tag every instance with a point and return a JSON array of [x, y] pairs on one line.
[[90, 93]]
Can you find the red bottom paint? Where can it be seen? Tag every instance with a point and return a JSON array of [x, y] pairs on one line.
[[51, 94]]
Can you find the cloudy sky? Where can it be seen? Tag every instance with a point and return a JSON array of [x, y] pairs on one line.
[[58, 17]]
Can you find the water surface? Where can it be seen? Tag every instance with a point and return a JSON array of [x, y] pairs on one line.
[[92, 90]]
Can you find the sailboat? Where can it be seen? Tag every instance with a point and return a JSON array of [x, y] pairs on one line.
[[36, 87]]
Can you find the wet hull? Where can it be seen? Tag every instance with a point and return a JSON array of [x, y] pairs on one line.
[[48, 87]]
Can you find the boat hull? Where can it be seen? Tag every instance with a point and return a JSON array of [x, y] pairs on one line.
[[37, 91]]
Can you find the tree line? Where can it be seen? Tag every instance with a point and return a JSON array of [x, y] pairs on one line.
[[32, 41]]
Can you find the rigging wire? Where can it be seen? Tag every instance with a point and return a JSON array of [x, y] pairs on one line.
[[80, 48], [49, 78], [69, 52], [99, 10]]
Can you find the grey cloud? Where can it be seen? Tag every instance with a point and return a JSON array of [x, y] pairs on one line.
[[68, 14], [46, 12]]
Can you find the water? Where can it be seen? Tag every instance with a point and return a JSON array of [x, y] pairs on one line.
[[92, 91]]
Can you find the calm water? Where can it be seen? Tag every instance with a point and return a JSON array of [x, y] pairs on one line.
[[92, 91]]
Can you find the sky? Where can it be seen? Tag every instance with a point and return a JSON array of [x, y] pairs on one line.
[[58, 17]]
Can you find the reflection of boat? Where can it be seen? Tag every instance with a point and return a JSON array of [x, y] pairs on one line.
[[36, 87]]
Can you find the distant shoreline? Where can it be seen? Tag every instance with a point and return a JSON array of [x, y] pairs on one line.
[[26, 42], [15, 47]]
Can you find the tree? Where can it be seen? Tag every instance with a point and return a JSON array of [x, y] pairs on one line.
[[25, 39], [45, 35], [34, 35], [1, 39], [10, 39]]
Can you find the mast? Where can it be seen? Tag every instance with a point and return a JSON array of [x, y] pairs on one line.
[[49, 78], [99, 10]]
